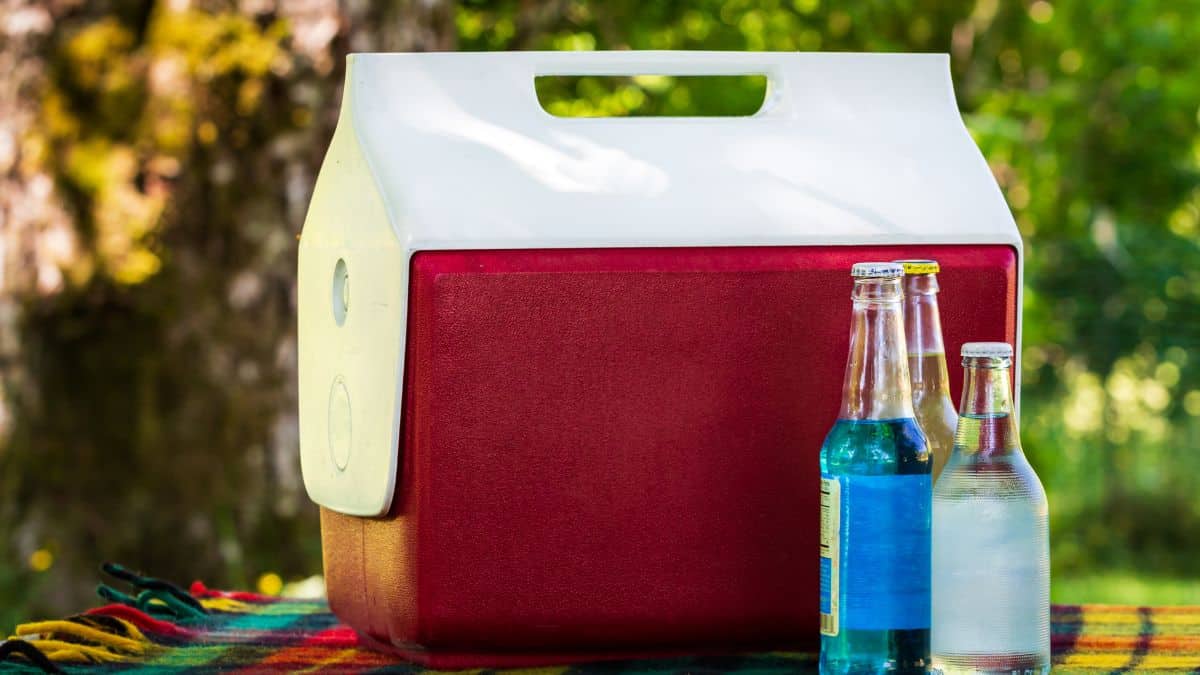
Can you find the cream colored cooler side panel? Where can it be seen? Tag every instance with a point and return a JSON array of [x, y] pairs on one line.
[[352, 281]]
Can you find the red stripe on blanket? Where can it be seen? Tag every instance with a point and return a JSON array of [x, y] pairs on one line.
[[143, 621], [199, 590]]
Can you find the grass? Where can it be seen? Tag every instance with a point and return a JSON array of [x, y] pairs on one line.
[[1124, 588]]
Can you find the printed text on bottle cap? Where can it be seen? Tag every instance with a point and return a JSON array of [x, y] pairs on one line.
[[876, 270]]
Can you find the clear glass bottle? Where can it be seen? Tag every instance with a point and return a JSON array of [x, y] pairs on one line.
[[927, 360], [875, 498], [991, 554]]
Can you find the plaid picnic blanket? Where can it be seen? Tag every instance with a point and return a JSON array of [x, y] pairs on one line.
[[163, 629]]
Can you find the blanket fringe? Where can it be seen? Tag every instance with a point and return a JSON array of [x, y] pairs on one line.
[[16, 647], [112, 634]]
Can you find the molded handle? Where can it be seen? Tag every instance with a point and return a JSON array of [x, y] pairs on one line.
[[676, 63]]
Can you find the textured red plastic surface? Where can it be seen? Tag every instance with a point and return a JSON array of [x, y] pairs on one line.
[[615, 451]]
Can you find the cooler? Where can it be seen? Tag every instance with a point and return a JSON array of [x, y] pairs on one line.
[[563, 382]]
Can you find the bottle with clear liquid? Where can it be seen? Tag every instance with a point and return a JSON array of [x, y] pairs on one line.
[[991, 553], [875, 498], [927, 360]]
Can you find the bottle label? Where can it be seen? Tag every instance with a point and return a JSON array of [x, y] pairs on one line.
[[831, 511], [882, 553], [992, 560]]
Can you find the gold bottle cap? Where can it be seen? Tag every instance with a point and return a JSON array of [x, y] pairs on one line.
[[920, 266]]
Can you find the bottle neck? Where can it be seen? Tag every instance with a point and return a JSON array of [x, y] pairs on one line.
[[986, 421], [923, 335], [876, 385]]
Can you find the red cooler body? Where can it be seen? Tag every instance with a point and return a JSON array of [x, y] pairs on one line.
[[537, 441]]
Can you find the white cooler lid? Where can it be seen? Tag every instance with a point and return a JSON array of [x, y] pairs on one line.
[[454, 151]]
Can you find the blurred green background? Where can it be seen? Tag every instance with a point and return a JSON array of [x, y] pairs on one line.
[[156, 159]]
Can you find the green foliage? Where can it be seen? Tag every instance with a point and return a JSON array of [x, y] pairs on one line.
[[154, 409], [651, 95]]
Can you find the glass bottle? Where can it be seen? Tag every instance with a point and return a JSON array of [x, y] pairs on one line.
[[875, 498], [927, 360], [991, 555]]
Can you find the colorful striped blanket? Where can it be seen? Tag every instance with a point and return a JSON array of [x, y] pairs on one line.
[[163, 629]]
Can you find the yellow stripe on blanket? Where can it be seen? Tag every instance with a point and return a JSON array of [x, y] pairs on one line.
[[1106, 661], [133, 645], [225, 605], [1168, 662], [61, 650]]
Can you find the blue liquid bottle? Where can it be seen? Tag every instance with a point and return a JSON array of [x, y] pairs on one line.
[[875, 498]]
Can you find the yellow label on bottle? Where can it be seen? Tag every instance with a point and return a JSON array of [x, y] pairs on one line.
[[831, 522]]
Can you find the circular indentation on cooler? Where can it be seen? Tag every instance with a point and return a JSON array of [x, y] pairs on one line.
[[341, 291], [339, 423]]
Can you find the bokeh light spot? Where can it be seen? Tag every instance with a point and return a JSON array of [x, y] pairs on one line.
[[1155, 309], [41, 560], [1070, 61], [1041, 12], [806, 6], [1191, 403], [207, 132], [270, 584]]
